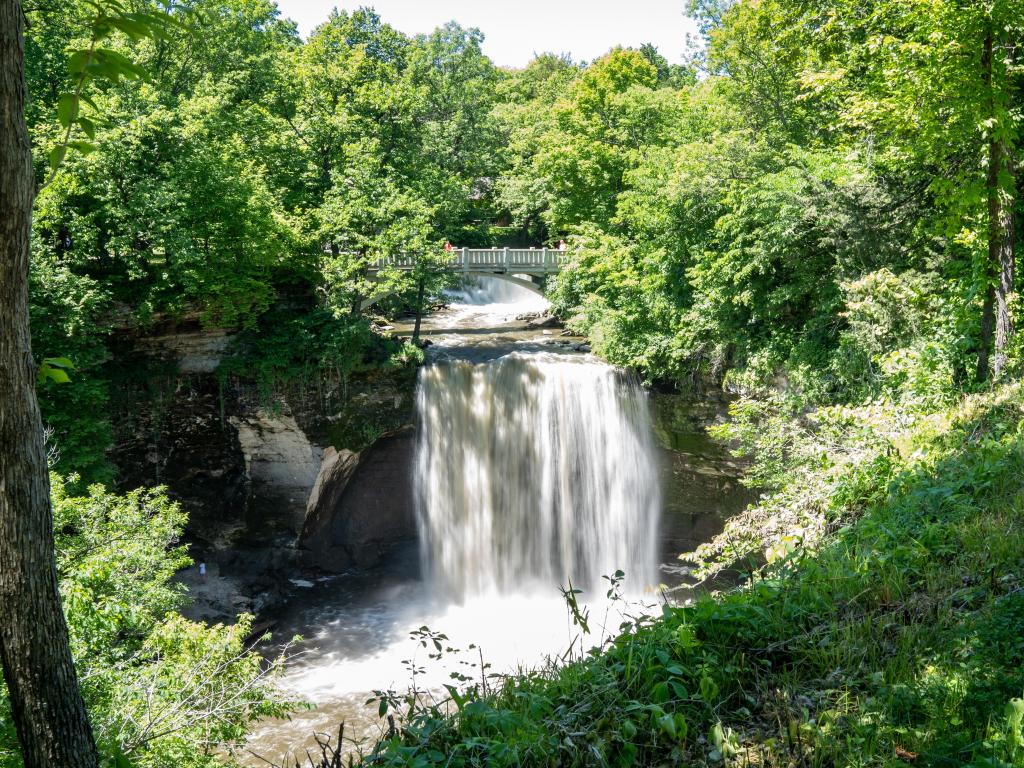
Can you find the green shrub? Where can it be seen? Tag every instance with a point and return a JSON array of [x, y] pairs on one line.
[[161, 690]]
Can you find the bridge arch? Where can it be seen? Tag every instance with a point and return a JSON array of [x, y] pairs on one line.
[[525, 267], [531, 283]]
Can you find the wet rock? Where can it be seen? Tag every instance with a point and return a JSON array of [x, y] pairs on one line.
[[178, 438], [247, 471], [364, 506], [545, 321]]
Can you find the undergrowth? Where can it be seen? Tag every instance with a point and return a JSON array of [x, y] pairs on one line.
[[891, 631], [299, 348]]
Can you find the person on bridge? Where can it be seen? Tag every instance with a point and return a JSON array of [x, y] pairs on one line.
[[448, 245], [561, 245]]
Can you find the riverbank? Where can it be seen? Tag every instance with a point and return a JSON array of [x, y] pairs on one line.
[[887, 625]]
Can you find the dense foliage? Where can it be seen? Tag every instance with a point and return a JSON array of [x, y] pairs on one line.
[[724, 225], [250, 175], [725, 218], [161, 690]]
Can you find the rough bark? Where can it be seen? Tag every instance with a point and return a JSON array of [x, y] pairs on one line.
[[1001, 256], [47, 707]]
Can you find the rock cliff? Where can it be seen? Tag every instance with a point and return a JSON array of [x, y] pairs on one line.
[[272, 489]]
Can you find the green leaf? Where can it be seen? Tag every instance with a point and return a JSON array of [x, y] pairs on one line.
[[118, 64], [85, 147], [682, 727], [686, 637], [56, 156], [708, 689], [67, 109], [59, 362], [660, 693], [55, 374], [679, 690], [78, 61], [88, 127], [132, 27]]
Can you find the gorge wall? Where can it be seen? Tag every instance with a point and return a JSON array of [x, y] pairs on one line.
[[277, 489]]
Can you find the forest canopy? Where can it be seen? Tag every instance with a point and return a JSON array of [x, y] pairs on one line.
[[820, 193], [819, 209]]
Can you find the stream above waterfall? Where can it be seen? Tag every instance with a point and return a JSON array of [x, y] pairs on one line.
[[537, 465]]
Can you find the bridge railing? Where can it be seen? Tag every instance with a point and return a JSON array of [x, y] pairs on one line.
[[542, 261]]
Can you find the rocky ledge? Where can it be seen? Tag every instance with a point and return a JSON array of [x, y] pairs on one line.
[[276, 493]]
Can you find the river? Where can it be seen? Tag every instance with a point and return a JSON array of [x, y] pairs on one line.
[[536, 465]]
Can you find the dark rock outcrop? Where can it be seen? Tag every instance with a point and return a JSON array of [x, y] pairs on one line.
[[361, 506], [336, 470], [545, 321], [254, 475], [175, 435]]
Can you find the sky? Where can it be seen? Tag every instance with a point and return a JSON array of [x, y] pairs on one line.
[[517, 29]]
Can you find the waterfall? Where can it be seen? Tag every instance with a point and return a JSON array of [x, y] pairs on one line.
[[477, 291], [531, 470]]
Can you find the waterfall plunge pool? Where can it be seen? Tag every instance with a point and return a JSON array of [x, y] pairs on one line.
[[535, 465]]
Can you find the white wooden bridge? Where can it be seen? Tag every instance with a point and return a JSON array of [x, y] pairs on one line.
[[525, 267]]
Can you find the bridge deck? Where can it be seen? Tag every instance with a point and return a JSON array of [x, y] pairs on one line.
[[528, 261]]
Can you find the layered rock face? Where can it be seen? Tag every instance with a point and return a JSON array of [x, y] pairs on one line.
[[267, 494], [177, 438], [281, 465]]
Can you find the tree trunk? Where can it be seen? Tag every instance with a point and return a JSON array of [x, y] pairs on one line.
[[49, 714], [1001, 253], [419, 311], [1001, 257]]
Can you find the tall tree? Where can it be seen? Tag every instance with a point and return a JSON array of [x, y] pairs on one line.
[[1000, 188], [930, 89], [48, 709]]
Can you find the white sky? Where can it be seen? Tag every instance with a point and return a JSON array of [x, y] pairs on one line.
[[516, 29]]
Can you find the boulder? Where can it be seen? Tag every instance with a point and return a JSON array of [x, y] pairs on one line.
[[336, 470], [282, 465], [361, 505], [545, 321]]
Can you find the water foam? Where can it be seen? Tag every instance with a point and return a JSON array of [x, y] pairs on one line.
[[534, 470]]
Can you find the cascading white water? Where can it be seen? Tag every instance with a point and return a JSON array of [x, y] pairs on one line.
[[531, 470], [477, 291], [481, 302]]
